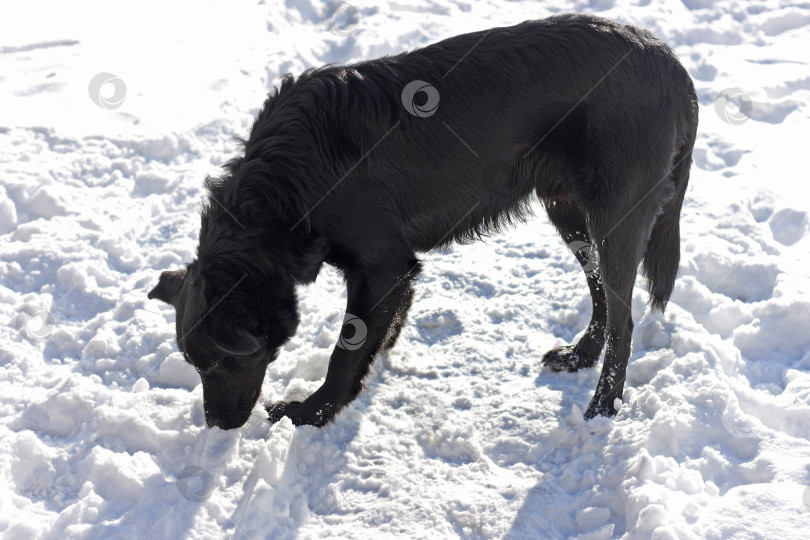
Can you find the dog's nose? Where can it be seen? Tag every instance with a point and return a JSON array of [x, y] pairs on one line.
[[223, 422], [214, 422], [213, 419]]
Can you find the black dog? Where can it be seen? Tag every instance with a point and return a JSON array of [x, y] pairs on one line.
[[362, 166]]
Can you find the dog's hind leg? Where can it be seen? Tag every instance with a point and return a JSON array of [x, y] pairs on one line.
[[621, 238], [379, 296], [570, 221]]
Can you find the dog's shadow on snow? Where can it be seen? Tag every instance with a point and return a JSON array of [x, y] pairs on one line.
[[295, 470], [549, 509], [274, 498]]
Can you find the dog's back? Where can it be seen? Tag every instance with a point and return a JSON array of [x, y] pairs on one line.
[[522, 109], [542, 107]]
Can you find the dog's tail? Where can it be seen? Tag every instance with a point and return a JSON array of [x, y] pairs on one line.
[[663, 252]]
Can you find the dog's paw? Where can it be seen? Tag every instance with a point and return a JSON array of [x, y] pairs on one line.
[[301, 414], [280, 409], [563, 359], [599, 408]]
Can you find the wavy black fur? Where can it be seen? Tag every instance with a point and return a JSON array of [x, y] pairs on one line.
[[594, 118]]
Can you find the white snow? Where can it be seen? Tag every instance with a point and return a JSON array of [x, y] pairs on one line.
[[459, 432]]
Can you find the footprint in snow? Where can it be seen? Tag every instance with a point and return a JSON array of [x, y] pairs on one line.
[[788, 226], [438, 326]]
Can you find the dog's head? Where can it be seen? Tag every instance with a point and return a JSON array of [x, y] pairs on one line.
[[229, 327], [235, 304]]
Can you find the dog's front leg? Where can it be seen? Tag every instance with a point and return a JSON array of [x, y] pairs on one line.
[[378, 301]]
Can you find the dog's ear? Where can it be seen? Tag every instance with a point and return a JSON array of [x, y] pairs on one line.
[[168, 287], [309, 259]]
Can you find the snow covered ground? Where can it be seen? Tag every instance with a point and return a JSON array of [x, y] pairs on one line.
[[460, 432]]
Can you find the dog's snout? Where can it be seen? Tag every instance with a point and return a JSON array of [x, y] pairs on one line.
[[228, 421], [214, 422], [233, 414]]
